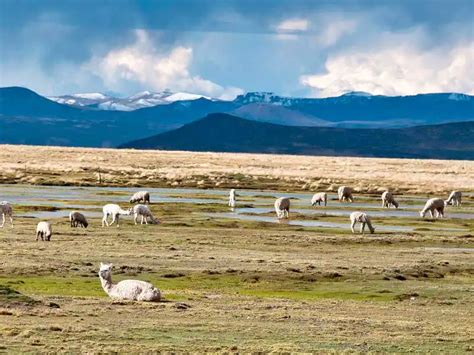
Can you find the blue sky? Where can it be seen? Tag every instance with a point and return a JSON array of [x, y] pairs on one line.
[[222, 48]]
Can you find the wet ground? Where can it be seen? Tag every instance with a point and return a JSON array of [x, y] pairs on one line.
[[252, 205]]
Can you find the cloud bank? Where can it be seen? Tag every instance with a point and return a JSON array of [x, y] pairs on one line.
[[396, 70]]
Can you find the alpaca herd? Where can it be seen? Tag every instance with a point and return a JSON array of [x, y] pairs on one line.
[[435, 206], [143, 291]]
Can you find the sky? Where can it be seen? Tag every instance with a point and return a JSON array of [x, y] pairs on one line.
[[223, 48]]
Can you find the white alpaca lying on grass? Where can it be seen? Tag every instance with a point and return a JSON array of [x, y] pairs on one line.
[[115, 211], [134, 290], [6, 210]]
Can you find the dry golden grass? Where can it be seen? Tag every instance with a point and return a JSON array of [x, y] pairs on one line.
[[59, 165]]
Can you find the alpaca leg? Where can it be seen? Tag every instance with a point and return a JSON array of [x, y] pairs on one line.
[[104, 220], [142, 218], [11, 221], [135, 217], [117, 219], [431, 213], [146, 220], [353, 223], [362, 227], [3, 214]]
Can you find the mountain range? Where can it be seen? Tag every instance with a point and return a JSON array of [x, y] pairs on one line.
[[29, 118], [140, 100]]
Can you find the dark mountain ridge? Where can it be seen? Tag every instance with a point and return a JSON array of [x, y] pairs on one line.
[[226, 133]]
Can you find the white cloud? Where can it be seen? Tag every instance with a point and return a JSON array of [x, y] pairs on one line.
[[334, 30], [293, 25], [396, 69], [142, 63]]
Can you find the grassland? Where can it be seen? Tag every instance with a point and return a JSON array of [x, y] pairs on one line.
[[111, 167], [232, 286]]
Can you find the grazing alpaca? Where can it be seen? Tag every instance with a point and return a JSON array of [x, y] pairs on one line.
[[454, 198], [282, 207], [78, 219], [145, 213], [345, 194], [388, 199], [140, 196], [6, 210], [44, 231], [232, 195], [115, 211], [363, 219], [432, 205], [134, 290], [318, 198]]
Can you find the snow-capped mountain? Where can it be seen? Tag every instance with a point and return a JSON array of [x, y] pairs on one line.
[[134, 102], [265, 97], [272, 98]]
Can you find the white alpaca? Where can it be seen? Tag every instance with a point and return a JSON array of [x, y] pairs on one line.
[[115, 211], [140, 196], [318, 198], [44, 231], [145, 213], [345, 194], [78, 219], [363, 219], [282, 207], [6, 210], [232, 195], [134, 290], [388, 199], [454, 198], [433, 205]]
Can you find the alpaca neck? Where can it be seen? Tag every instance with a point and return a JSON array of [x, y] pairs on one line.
[[107, 284]]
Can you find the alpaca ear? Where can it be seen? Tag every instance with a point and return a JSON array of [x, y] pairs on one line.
[[110, 266], [101, 264]]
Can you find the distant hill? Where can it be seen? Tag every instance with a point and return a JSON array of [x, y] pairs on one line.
[[264, 112], [226, 133]]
